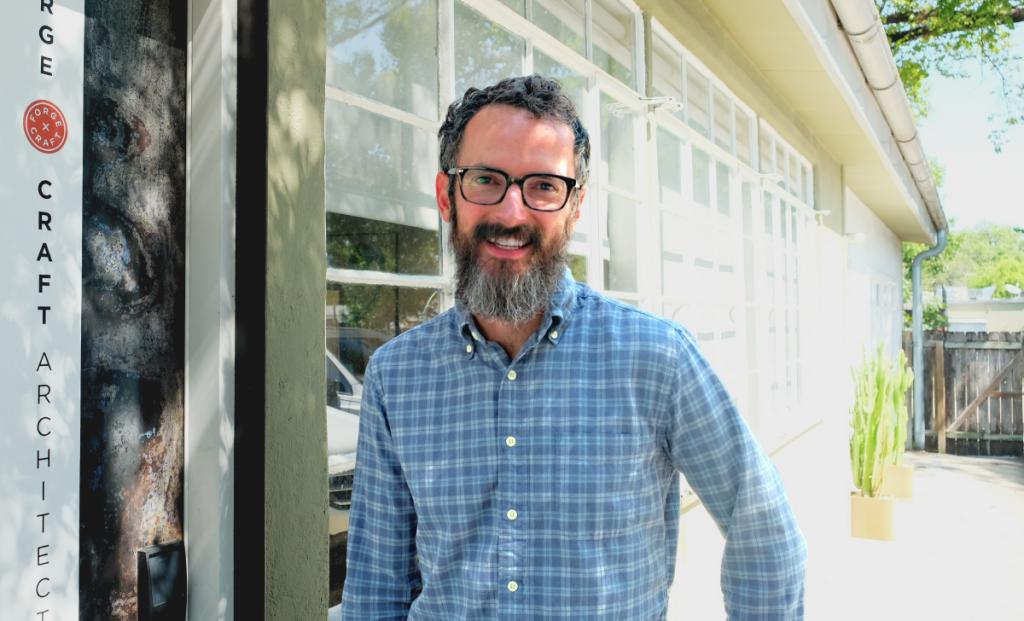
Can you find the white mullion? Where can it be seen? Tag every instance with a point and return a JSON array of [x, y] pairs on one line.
[[372, 277], [588, 29], [446, 93], [381, 109], [639, 55]]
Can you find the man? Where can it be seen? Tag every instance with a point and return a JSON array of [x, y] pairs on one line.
[[519, 454]]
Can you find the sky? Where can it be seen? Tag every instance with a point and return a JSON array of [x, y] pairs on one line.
[[980, 185]]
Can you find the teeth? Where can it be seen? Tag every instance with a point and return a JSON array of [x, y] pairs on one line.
[[509, 243]]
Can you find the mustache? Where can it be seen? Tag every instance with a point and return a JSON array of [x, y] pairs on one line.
[[486, 230]]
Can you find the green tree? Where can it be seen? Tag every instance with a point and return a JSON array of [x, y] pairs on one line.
[[943, 36]]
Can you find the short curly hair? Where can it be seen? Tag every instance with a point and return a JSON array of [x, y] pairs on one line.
[[541, 96]]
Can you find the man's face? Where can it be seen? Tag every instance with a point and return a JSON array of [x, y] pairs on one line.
[[508, 250]]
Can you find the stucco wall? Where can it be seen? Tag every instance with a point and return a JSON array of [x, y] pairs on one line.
[[874, 281], [296, 435]]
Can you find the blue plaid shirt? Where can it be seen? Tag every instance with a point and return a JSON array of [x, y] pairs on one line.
[[547, 486]]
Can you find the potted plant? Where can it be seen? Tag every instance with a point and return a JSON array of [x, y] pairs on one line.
[[898, 480], [871, 440]]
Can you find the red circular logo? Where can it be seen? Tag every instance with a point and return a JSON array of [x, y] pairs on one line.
[[45, 126]]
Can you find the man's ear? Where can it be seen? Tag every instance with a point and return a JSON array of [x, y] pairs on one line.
[[580, 194], [441, 182]]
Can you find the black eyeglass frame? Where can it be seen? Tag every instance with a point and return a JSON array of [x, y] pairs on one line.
[[570, 185]]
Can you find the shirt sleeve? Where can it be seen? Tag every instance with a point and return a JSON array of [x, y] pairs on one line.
[[382, 577], [708, 441]]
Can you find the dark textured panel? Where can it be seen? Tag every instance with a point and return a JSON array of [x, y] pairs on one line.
[[133, 294]]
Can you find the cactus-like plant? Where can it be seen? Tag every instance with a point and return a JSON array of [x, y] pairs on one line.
[[903, 378], [872, 422]]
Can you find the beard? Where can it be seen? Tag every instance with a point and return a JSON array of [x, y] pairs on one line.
[[503, 293]]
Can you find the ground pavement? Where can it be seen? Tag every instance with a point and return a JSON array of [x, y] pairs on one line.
[[958, 553]]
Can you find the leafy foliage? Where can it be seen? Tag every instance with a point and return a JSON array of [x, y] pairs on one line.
[[942, 36], [989, 255]]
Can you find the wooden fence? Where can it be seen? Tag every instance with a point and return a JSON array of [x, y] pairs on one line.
[[972, 383]]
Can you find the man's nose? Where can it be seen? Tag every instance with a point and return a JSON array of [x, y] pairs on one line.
[[512, 209]]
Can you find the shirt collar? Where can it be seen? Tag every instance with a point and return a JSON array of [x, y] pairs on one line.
[[557, 312]]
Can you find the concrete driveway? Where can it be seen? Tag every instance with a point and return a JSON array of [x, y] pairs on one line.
[[958, 553]]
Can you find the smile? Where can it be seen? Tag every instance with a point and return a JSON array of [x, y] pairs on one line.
[[508, 243]]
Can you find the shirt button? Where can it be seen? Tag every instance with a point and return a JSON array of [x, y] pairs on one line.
[[511, 514], [512, 375], [469, 349], [513, 586], [510, 441]]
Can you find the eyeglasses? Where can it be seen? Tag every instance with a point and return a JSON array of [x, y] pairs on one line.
[[488, 186]]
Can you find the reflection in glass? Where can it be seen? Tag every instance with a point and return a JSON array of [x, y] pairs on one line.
[[723, 120], [485, 53], [617, 143], [578, 267], [613, 39], [572, 83], [697, 94], [380, 169], [701, 178], [363, 244], [381, 50], [358, 320], [361, 318], [562, 19], [668, 74], [620, 259], [670, 182]]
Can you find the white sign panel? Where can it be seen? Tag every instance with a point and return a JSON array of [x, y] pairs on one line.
[[41, 55]]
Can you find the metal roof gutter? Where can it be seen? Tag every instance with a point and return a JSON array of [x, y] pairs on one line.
[[863, 27]]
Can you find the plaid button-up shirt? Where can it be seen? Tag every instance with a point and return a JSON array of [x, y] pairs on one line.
[[547, 486]]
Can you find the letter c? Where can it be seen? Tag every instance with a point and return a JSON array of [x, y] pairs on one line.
[[41, 193], [38, 594]]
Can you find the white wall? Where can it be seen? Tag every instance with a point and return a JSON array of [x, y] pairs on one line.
[[874, 283]]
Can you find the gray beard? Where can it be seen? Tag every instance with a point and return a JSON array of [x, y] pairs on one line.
[[506, 296]]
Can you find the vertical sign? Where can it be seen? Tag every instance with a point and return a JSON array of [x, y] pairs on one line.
[[41, 55]]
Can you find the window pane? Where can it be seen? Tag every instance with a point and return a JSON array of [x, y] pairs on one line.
[[766, 151], [382, 51], [617, 142], [723, 191], [486, 53], [723, 120], [380, 169], [562, 19], [697, 100], [578, 267], [620, 247], [670, 182], [668, 74], [361, 318], [574, 85], [519, 6], [363, 244], [701, 178], [613, 39]]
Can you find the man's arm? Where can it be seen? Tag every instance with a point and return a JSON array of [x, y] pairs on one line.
[[382, 575], [708, 441]]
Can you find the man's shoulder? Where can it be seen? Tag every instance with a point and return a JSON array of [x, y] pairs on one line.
[[609, 313]]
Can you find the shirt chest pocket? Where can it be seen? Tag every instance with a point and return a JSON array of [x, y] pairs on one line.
[[596, 483]]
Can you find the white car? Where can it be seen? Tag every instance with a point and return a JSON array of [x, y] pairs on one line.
[[344, 393]]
